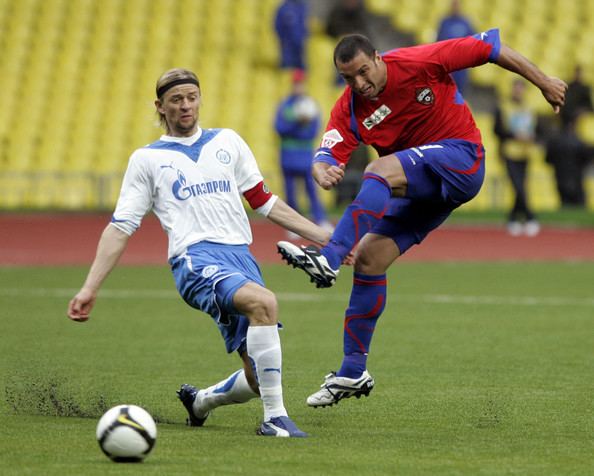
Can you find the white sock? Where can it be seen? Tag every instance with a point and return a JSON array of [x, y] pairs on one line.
[[264, 348], [234, 389]]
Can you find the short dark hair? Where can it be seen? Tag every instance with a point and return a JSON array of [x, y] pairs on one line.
[[348, 47]]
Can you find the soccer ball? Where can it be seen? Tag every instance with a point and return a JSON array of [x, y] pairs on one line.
[[126, 433]]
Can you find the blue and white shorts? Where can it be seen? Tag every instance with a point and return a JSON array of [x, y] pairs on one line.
[[207, 277]]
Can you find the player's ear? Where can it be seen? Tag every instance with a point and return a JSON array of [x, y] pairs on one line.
[[159, 106]]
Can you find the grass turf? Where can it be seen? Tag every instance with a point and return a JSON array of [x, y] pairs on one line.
[[481, 368]]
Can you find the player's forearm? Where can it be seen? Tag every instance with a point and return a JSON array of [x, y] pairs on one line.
[[111, 246], [553, 89], [285, 216], [516, 63]]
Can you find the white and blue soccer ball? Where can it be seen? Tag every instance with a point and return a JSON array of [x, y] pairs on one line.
[[126, 433]]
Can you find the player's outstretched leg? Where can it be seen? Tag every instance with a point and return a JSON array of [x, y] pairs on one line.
[[368, 299], [199, 403], [322, 264], [310, 260], [336, 388]]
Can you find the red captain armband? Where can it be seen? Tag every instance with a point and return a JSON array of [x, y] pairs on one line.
[[258, 195]]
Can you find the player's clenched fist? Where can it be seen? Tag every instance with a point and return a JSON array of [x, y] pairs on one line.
[[326, 175]]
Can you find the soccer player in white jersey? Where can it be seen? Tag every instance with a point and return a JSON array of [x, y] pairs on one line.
[[193, 180]]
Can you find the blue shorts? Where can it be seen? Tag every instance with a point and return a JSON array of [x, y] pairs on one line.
[[207, 276], [441, 176]]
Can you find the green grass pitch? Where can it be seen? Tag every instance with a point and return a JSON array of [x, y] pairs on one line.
[[480, 368]]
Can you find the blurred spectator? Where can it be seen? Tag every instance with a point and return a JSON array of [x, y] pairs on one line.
[[569, 157], [348, 16], [298, 123], [290, 24], [515, 126], [348, 188], [456, 25], [577, 100]]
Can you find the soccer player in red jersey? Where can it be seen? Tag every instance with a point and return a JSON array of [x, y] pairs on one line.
[[405, 104]]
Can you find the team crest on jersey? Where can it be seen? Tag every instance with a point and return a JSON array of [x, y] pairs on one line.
[[331, 138], [378, 116], [223, 157], [209, 271], [425, 96]]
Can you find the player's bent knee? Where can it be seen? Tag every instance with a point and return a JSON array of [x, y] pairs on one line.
[[263, 308], [257, 303], [375, 255], [364, 261], [389, 168], [375, 168]]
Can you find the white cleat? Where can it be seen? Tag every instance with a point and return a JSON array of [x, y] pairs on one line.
[[336, 388], [310, 260]]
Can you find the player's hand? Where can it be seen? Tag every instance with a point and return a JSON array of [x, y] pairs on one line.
[[554, 92], [349, 260], [330, 177], [80, 306]]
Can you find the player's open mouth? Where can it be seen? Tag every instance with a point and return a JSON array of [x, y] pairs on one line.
[[366, 90]]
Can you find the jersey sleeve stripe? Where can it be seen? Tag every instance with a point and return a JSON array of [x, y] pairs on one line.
[[354, 126], [492, 38]]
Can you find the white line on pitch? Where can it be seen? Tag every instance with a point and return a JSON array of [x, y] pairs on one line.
[[321, 296]]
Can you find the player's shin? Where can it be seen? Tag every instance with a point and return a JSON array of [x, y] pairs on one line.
[[234, 389], [264, 349], [367, 302], [361, 215]]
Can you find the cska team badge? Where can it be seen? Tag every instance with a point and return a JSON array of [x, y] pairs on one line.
[[425, 96]]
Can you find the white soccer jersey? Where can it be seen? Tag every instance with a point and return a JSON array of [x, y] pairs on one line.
[[194, 186]]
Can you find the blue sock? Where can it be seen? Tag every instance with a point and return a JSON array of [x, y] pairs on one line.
[[368, 299], [369, 206]]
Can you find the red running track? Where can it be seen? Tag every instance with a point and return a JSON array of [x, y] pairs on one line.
[[69, 239]]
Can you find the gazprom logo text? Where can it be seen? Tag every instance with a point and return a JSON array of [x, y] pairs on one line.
[[182, 191]]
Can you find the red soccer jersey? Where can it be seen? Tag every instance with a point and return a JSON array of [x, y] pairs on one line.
[[419, 104]]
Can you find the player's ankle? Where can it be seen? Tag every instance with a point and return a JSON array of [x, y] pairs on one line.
[[332, 253]]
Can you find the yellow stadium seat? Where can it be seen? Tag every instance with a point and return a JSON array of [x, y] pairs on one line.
[[585, 128], [90, 66]]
